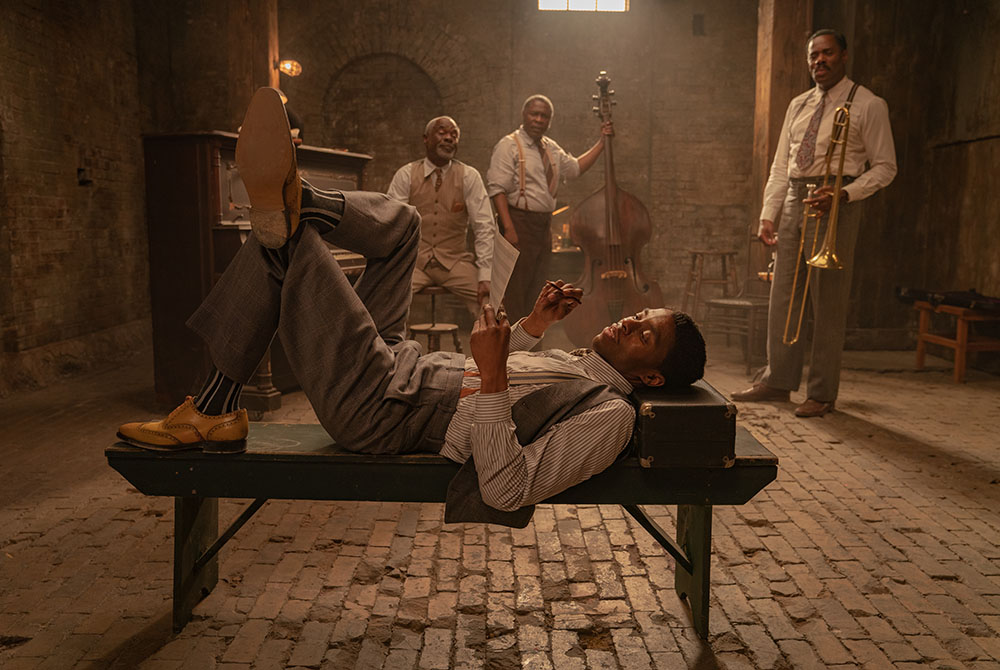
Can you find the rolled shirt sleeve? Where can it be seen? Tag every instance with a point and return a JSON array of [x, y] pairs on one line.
[[399, 188], [876, 133], [477, 204]]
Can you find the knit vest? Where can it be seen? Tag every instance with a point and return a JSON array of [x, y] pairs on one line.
[[533, 414], [443, 216]]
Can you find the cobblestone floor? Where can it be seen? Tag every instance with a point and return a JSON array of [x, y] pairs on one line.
[[878, 546]]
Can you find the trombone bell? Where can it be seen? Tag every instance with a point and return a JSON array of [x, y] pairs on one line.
[[826, 259]]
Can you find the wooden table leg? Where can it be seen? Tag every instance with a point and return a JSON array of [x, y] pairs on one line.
[[694, 535], [196, 525], [961, 348], [925, 323]]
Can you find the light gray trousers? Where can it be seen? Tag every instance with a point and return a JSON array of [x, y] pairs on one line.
[[371, 389], [829, 291]]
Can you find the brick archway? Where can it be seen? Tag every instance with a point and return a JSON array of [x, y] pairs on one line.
[[379, 105], [336, 47]]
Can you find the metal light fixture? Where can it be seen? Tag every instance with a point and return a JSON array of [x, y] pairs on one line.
[[292, 68]]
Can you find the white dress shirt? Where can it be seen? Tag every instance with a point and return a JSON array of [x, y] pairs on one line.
[[575, 449], [477, 204], [869, 141], [504, 173]]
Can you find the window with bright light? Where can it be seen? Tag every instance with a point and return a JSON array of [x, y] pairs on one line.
[[584, 5]]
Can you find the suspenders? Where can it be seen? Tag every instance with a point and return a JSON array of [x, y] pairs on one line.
[[520, 172]]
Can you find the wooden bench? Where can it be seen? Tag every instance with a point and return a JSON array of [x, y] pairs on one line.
[[961, 342], [300, 461]]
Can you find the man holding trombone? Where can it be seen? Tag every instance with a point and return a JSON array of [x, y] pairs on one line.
[[835, 149]]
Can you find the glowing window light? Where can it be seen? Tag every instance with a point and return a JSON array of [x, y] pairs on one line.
[[583, 5]]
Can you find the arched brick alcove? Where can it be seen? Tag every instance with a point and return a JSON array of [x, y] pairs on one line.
[[392, 75], [379, 104]]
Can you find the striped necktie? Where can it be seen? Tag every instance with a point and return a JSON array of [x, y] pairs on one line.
[[437, 179]]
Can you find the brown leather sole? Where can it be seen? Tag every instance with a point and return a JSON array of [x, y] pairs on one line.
[[234, 447], [265, 158]]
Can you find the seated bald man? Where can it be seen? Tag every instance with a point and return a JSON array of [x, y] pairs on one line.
[[374, 391]]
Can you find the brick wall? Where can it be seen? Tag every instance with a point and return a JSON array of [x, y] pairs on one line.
[[685, 101], [73, 241]]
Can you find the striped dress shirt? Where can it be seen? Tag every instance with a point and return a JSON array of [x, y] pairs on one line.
[[511, 475]]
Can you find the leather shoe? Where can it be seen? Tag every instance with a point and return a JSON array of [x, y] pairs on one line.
[[265, 157], [187, 428], [813, 408], [761, 392]]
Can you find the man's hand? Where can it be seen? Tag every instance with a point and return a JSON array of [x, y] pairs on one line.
[[483, 292], [554, 303], [766, 233], [822, 199], [490, 344], [607, 129], [510, 234]]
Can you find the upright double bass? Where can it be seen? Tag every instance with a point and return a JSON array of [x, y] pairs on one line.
[[611, 226]]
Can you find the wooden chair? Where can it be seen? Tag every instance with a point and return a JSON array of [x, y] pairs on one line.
[[697, 277]]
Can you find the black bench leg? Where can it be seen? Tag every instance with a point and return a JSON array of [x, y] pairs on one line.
[[692, 552], [694, 535], [196, 525]]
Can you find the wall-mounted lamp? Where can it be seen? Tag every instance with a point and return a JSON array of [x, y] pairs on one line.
[[292, 68]]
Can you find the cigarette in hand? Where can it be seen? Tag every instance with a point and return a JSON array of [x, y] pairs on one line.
[[559, 289]]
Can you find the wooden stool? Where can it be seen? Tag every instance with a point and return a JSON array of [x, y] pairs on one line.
[[960, 342], [435, 330], [696, 277]]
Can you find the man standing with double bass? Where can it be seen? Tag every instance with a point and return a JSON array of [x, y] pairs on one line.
[[799, 160], [524, 175]]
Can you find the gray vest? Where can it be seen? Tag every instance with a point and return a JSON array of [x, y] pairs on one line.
[[533, 414]]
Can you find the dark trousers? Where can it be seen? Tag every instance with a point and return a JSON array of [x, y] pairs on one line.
[[534, 241]]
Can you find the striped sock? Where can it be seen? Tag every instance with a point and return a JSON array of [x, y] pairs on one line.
[[219, 395], [322, 208]]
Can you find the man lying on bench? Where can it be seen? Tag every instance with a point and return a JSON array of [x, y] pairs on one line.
[[535, 423]]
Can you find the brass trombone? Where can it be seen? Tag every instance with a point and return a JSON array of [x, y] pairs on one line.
[[826, 257]]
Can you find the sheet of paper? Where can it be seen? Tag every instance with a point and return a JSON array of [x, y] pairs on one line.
[[504, 258]]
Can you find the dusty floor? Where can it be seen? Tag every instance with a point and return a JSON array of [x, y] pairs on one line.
[[878, 546]]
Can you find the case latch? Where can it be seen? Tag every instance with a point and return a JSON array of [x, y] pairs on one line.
[[646, 410]]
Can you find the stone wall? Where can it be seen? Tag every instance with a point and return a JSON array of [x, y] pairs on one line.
[[73, 257]]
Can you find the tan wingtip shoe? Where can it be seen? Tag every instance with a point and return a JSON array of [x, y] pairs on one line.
[[187, 428], [265, 157]]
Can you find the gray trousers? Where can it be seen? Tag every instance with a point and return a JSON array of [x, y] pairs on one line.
[[371, 389], [829, 291]]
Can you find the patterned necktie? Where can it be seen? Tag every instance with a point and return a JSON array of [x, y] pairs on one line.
[[550, 174], [437, 179], [807, 150]]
